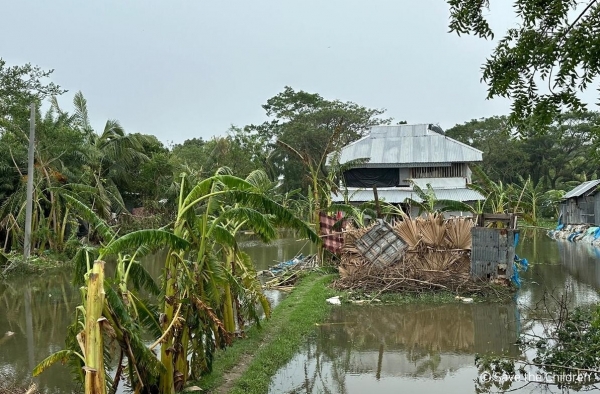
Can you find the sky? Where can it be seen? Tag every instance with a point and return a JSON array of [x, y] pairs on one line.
[[188, 69]]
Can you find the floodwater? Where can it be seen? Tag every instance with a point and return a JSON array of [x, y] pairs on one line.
[[391, 349], [432, 348], [37, 309]]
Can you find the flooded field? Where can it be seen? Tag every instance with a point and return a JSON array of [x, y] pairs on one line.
[[37, 309], [432, 348], [387, 349]]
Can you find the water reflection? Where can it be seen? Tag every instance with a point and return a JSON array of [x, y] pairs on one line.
[[38, 309], [428, 348], [38, 312], [398, 344], [425, 348], [282, 249]]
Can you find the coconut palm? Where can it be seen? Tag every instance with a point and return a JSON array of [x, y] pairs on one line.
[[58, 154], [109, 156]]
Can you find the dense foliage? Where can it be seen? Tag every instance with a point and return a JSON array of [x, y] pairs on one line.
[[543, 62], [109, 193]]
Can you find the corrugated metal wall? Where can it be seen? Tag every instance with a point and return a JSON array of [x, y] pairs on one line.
[[597, 208], [493, 252], [581, 210]]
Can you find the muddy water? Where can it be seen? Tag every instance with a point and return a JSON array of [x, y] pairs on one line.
[[432, 348], [410, 348], [38, 309]]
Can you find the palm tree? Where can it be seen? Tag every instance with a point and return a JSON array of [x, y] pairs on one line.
[[58, 153], [110, 155]]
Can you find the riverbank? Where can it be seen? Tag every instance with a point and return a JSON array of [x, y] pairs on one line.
[[248, 365], [14, 264]]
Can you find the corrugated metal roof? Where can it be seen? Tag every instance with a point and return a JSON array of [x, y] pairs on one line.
[[582, 189], [398, 195], [401, 144]]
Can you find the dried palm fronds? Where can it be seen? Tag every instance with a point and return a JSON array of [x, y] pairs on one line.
[[437, 258], [458, 232], [409, 232], [432, 229], [438, 261]]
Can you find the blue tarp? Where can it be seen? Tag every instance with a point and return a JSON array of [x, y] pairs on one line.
[[276, 269], [519, 264], [573, 235]]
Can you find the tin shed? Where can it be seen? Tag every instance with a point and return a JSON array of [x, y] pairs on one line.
[[582, 204]]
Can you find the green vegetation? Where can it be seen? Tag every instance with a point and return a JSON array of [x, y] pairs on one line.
[[210, 287], [531, 172], [110, 194], [269, 347], [542, 62], [569, 349], [438, 297]]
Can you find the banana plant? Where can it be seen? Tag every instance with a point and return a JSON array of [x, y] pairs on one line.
[[429, 203], [206, 281], [112, 308]]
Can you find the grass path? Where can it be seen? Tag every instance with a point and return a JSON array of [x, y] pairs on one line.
[[249, 365]]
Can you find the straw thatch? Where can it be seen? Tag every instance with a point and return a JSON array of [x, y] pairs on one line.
[[437, 257]]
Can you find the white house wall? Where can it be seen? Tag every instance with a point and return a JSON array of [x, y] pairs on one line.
[[441, 183]]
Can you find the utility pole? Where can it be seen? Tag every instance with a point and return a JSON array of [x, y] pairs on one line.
[[29, 206]]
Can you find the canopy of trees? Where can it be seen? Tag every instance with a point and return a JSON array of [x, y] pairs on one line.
[[542, 63]]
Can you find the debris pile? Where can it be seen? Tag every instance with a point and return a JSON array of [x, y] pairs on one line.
[[415, 255], [285, 274], [577, 233]]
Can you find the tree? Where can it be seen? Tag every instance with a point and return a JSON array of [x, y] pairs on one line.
[[544, 62], [19, 87], [206, 157], [208, 282], [567, 148], [109, 158], [488, 134], [306, 122]]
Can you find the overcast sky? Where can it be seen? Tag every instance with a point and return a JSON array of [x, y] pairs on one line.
[[185, 69]]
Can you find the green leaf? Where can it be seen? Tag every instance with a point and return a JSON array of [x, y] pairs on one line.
[[62, 356], [136, 239]]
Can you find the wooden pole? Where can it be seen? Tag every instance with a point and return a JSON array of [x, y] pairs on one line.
[[377, 206], [29, 203]]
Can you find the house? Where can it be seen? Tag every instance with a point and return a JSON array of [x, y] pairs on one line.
[[401, 154], [582, 204]]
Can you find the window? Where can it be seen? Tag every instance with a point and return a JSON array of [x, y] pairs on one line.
[[453, 171]]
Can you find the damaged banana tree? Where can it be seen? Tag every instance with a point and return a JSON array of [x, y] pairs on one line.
[[208, 283], [90, 339]]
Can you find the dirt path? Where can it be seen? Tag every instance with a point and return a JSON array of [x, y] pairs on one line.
[[263, 352]]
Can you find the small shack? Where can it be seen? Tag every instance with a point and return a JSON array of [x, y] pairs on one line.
[[582, 204]]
